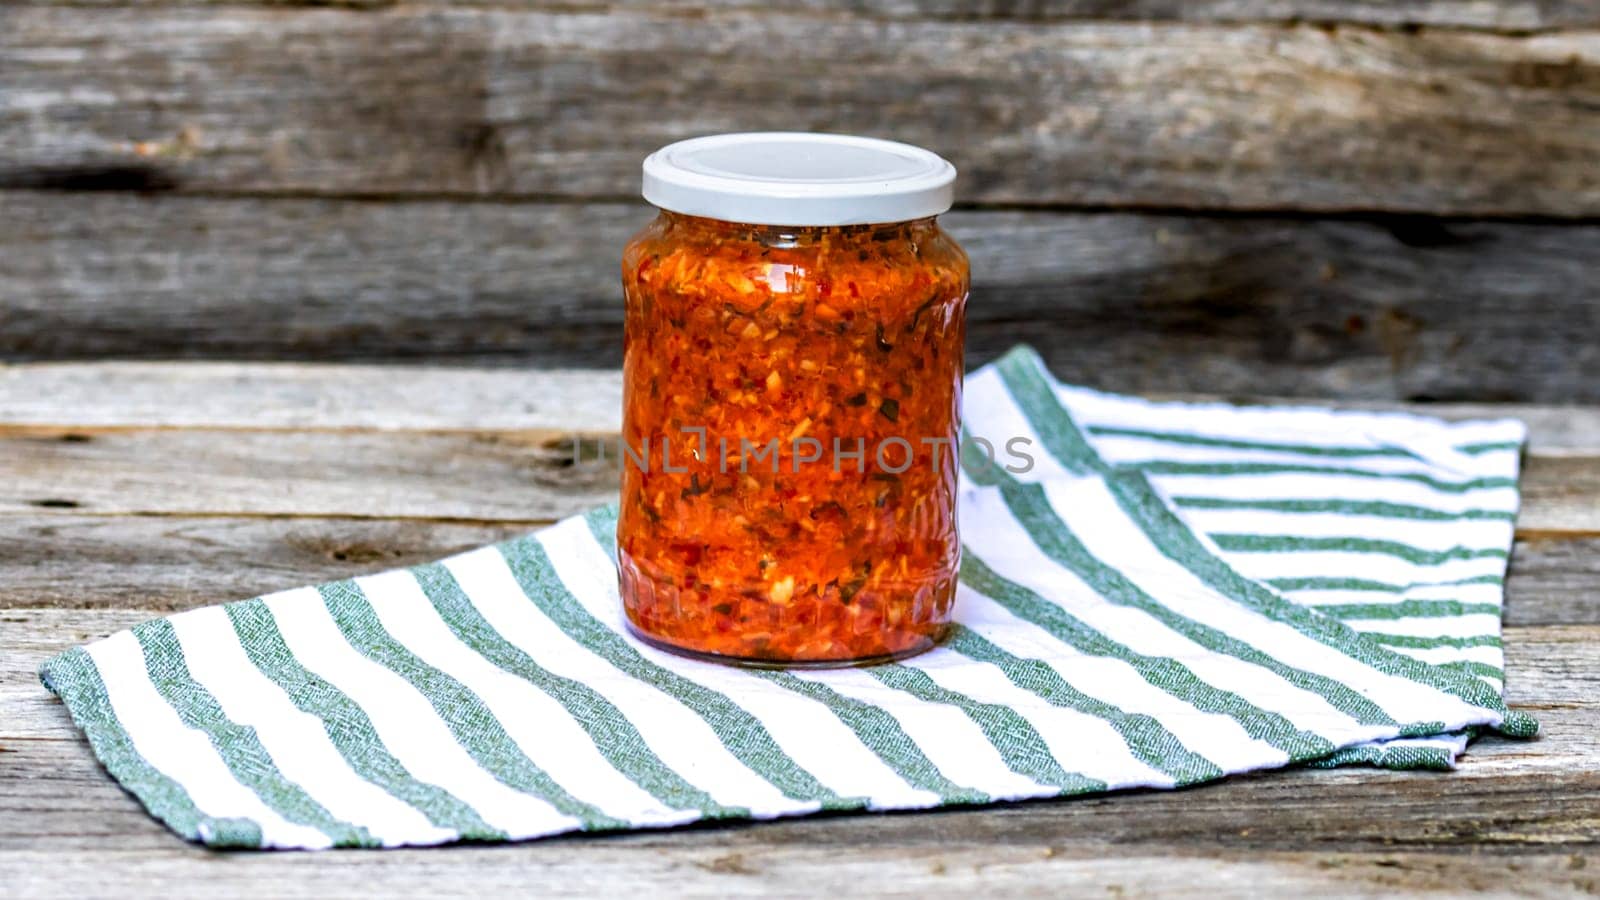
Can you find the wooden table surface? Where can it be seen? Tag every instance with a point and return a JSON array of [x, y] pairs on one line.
[[130, 490]]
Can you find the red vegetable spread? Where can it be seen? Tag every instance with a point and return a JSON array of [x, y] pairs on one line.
[[790, 424]]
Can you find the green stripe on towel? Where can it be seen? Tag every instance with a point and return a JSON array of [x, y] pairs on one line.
[[1103, 642]]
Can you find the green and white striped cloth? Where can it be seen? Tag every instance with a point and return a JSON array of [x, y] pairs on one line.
[[1171, 594]]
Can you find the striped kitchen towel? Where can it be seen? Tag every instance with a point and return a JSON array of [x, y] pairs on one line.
[[1153, 595]]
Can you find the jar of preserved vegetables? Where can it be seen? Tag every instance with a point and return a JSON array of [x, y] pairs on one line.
[[792, 387]]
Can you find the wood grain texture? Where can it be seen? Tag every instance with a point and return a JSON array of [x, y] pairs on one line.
[[505, 102], [1558, 495], [956, 868], [172, 563], [323, 397], [267, 396], [477, 446], [1552, 578], [165, 564], [509, 476], [491, 477], [1519, 16], [272, 442], [1397, 308]]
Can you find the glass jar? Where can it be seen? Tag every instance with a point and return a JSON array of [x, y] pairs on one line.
[[792, 387]]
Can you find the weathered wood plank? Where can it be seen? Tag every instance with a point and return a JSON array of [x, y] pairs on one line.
[[1552, 579], [1559, 495], [504, 102], [168, 563], [311, 397], [1524, 15], [1389, 308], [510, 476], [485, 476], [505, 477], [221, 396], [957, 869]]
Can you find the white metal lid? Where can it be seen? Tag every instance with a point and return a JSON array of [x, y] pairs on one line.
[[796, 178]]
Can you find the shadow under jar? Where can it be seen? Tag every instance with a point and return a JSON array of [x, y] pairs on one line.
[[792, 390]]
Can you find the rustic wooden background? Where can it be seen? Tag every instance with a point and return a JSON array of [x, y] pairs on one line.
[[1374, 200], [1392, 199]]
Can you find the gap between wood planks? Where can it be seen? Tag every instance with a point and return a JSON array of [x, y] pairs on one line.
[[337, 476], [49, 507], [1377, 216], [53, 507], [466, 446], [466, 476], [1405, 16], [66, 397]]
